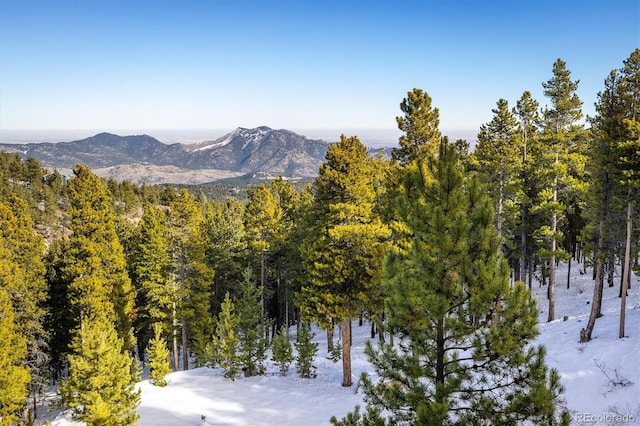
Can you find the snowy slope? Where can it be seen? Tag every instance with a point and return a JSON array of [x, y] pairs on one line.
[[204, 397]]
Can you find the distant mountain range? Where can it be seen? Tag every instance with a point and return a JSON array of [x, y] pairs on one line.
[[142, 158]]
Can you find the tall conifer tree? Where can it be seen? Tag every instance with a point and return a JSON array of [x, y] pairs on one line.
[[563, 160], [464, 354], [95, 264], [420, 127], [14, 374], [152, 264], [344, 252]]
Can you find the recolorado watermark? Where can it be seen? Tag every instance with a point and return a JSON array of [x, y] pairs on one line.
[[607, 418]]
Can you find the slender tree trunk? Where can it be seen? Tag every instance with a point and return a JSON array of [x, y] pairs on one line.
[[346, 353], [569, 273], [499, 215], [174, 321], [185, 345], [552, 266], [611, 269], [627, 267], [523, 243], [585, 333], [330, 338]]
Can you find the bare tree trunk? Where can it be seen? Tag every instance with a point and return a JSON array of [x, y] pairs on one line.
[[611, 268], [330, 338], [499, 215], [585, 333], [627, 267], [346, 353], [552, 265], [185, 345], [569, 273], [174, 316]]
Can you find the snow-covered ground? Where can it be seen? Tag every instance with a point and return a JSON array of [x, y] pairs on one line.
[[204, 397]]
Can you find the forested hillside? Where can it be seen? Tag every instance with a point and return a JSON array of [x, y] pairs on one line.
[[439, 244]]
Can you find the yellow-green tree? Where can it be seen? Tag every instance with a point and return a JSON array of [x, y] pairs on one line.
[[344, 250], [25, 248], [100, 388], [14, 374], [158, 357], [95, 264]]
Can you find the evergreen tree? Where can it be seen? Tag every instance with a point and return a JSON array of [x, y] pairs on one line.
[[306, 350], [100, 387], [158, 357], [251, 336], [607, 129], [344, 252], [498, 155], [151, 266], [60, 318], [526, 110], [263, 227], [563, 160], [14, 374], [281, 351], [629, 164], [95, 264], [226, 339], [226, 252], [26, 248], [420, 127], [464, 353], [192, 275]]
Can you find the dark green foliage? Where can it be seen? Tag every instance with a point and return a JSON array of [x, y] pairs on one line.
[[251, 331], [420, 127], [281, 351], [463, 354], [306, 350], [371, 417]]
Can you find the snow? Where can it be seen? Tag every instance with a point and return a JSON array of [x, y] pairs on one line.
[[204, 397]]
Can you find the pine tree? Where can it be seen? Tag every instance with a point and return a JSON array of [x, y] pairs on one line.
[[563, 160], [26, 248], [95, 264], [464, 353], [263, 228], [281, 351], [607, 128], [192, 276], [420, 127], [100, 387], [498, 155], [526, 110], [226, 339], [306, 350], [344, 251], [152, 265], [251, 335], [14, 374], [158, 357], [60, 316], [629, 164]]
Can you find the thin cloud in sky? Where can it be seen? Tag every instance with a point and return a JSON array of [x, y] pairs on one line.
[[293, 64]]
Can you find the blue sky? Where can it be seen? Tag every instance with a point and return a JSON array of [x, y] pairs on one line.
[[144, 65]]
